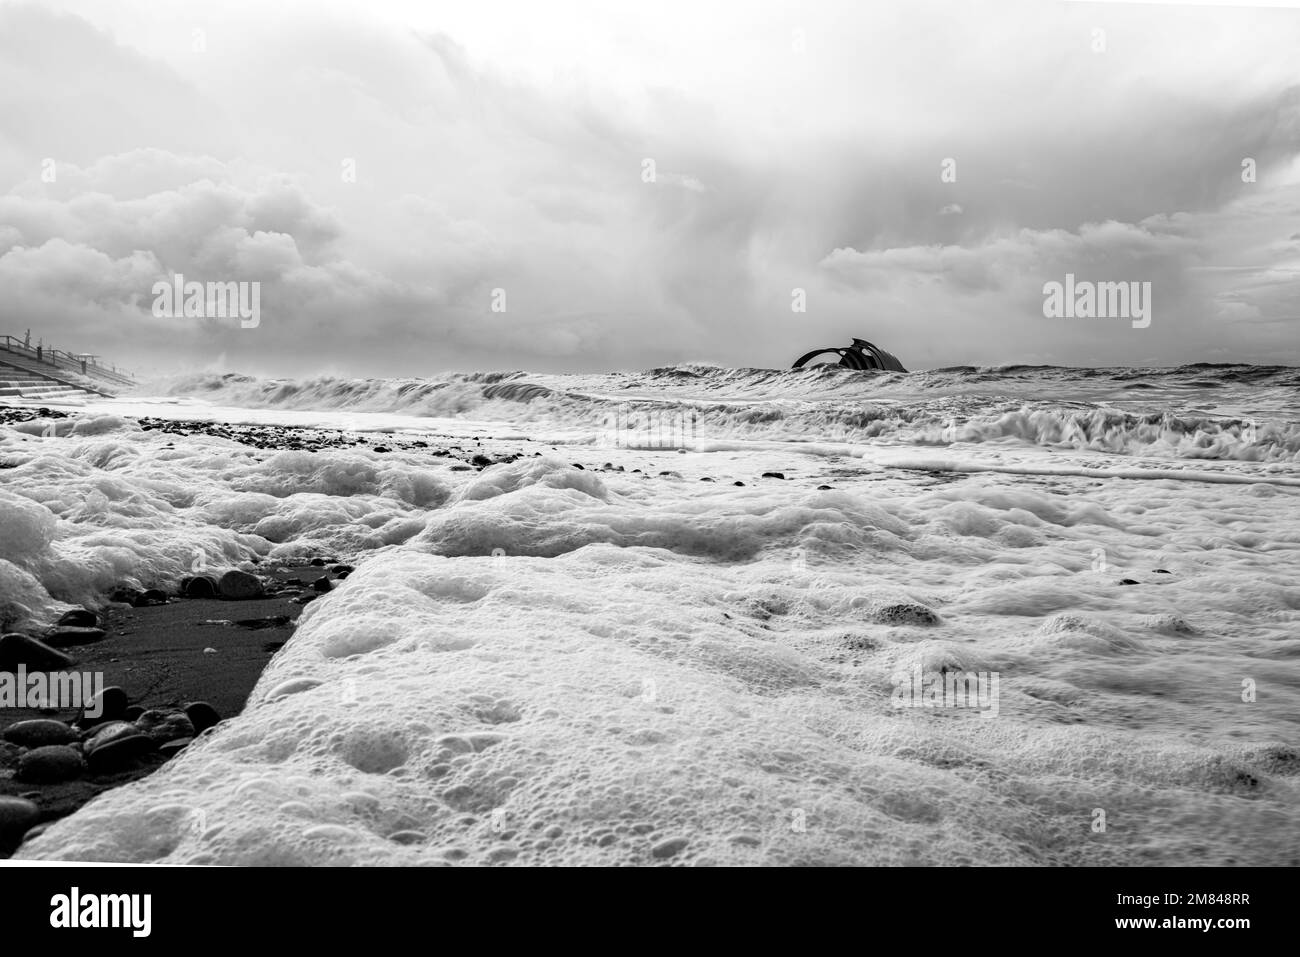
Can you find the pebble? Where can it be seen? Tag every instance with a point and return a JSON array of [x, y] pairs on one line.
[[119, 753], [51, 764], [17, 816], [239, 586], [202, 715], [776, 475], [200, 586], [18, 650], [66, 636], [164, 726], [107, 733], [39, 732], [322, 584], [151, 596], [79, 618], [111, 703]]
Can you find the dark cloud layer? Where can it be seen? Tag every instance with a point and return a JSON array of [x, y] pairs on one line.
[[387, 180]]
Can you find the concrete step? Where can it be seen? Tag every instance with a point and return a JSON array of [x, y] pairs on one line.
[[45, 392], [18, 379]]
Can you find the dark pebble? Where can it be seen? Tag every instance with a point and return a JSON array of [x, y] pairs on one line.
[[18, 650], [237, 585], [150, 597], [17, 817], [39, 732], [778, 475], [119, 753], [202, 715], [65, 636], [79, 618], [201, 586], [106, 733], [1127, 581], [165, 725], [322, 584], [51, 764], [111, 703]]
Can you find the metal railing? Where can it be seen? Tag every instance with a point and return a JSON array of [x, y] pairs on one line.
[[61, 359]]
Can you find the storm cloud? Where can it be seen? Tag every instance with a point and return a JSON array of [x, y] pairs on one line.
[[638, 187]]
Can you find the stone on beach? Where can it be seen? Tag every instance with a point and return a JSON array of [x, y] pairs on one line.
[[66, 636], [202, 715], [164, 726], [51, 764], [239, 586], [106, 733], [39, 732], [35, 655], [79, 618], [110, 705], [116, 746], [200, 586], [119, 753], [17, 817]]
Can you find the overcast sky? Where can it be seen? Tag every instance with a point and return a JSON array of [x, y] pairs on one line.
[[796, 145]]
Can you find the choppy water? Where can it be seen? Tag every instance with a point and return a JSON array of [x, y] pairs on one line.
[[537, 663]]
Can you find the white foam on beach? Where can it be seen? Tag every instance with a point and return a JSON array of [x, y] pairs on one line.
[[537, 663]]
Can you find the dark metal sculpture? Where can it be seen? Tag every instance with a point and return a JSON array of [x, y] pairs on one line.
[[860, 355]]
